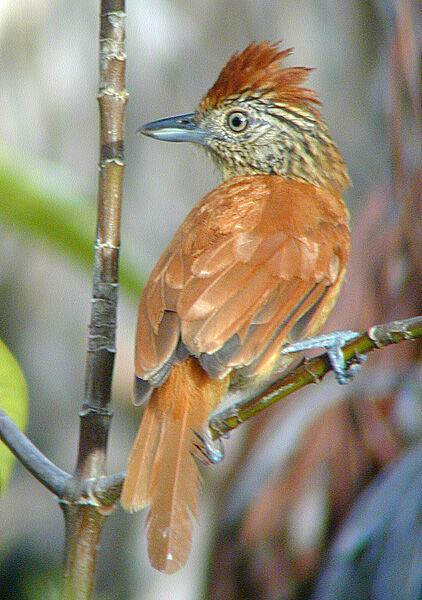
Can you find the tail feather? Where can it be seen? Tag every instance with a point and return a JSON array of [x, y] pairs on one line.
[[135, 493], [162, 470], [174, 488]]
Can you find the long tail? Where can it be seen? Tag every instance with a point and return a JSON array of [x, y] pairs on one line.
[[162, 471]]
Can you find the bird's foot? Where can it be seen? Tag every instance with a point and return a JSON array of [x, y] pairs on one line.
[[208, 451], [333, 344]]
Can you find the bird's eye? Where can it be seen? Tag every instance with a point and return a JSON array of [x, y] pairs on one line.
[[237, 121]]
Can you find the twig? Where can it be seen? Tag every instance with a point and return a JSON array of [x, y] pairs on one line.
[[312, 371], [107, 491], [101, 492], [43, 469]]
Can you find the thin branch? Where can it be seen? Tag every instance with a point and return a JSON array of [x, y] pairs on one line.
[[101, 492], [112, 97], [312, 371], [39, 465], [84, 516]]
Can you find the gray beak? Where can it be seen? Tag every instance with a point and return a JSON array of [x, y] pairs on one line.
[[182, 128]]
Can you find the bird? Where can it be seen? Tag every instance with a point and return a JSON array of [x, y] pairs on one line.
[[257, 264]]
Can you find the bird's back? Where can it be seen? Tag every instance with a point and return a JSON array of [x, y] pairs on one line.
[[253, 255]]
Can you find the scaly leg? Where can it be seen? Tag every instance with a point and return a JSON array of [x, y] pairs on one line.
[[333, 343], [209, 451]]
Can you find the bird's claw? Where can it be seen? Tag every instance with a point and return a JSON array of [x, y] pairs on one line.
[[209, 451], [333, 344], [342, 371]]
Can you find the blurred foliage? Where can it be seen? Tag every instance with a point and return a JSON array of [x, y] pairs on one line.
[[48, 109], [39, 198], [276, 542], [14, 402], [25, 575]]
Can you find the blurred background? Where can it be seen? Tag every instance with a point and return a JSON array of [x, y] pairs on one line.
[[272, 509]]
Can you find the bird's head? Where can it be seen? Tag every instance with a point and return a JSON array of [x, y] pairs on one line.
[[259, 119]]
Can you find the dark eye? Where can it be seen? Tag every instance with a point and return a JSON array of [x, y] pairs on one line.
[[237, 121]]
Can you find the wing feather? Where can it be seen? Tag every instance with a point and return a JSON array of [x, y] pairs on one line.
[[239, 308], [259, 336], [267, 358], [242, 277]]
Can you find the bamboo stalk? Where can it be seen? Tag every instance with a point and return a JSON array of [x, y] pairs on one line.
[[84, 516]]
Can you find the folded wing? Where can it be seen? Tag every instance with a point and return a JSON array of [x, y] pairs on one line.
[[243, 277]]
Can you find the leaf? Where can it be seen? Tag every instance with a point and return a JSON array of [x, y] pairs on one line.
[[40, 198], [14, 402]]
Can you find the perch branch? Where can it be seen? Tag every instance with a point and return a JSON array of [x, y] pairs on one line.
[[84, 516], [107, 490], [39, 465], [312, 371], [103, 491]]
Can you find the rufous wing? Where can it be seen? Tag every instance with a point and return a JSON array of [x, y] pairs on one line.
[[258, 261]]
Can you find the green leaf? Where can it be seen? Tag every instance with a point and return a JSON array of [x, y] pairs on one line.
[[40, 198], [14, 402]]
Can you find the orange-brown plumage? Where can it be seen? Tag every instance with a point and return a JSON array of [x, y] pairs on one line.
[[167, 476], [257, 70], [222, 270], [256, 264]]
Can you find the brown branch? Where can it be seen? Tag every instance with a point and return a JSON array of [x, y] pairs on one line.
[[103, 491], [84, 516], [312, 371]]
